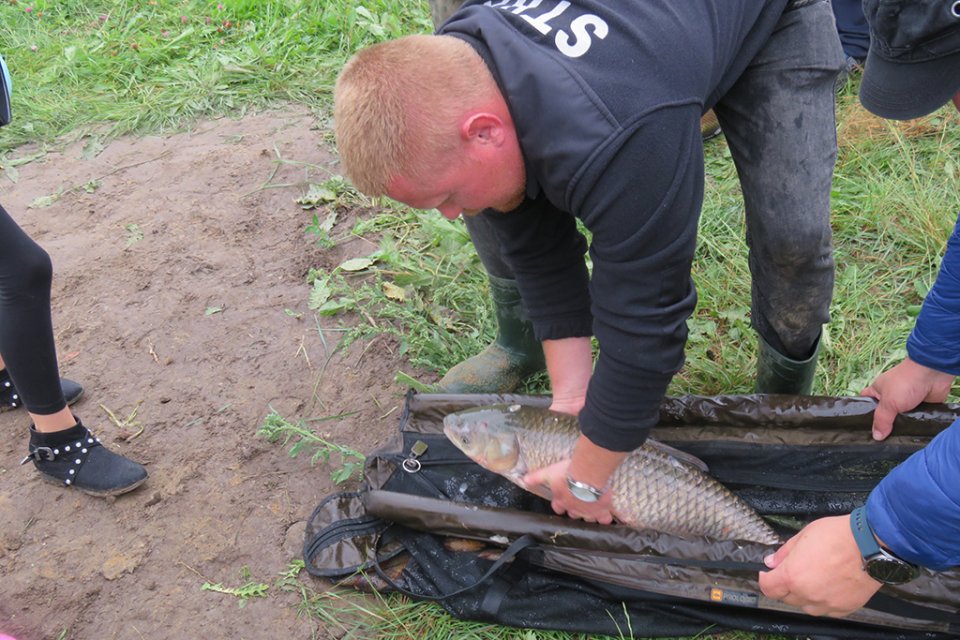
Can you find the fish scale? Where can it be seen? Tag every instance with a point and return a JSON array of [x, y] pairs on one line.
[[651, 489]]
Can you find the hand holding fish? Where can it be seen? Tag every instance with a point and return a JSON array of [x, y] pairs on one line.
[[570, 365], [554, 478]]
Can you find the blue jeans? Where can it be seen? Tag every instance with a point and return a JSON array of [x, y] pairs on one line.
[[852, 28], [779, 121]]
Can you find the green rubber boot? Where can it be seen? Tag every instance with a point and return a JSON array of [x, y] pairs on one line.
[[776, 373], [513, 355]]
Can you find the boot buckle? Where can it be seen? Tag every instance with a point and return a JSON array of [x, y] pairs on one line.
[[40, 454]]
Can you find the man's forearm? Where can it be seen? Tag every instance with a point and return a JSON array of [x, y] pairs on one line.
[[593, 464], [569, 364]]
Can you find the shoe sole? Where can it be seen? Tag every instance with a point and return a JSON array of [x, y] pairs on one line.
[[711, 135], [75, 398], [90, 492]]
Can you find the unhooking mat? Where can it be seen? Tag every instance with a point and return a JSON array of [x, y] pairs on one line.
[[433, 524]]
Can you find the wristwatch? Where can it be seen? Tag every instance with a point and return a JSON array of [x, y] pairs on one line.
[[880, 564], [583, 491]]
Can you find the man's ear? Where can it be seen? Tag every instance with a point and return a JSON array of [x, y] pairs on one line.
[[483, 128]]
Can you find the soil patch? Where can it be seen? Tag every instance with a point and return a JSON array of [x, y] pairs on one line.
[[180, 303]]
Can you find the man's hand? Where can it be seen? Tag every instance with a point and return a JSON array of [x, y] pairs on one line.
[[554, 477], [902, 389], [590, 464], [820, 570]]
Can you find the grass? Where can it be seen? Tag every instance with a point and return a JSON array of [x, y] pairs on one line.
[[99, 69], [107, 68]]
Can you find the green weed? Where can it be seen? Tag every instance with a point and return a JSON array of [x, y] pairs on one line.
[[243, 593], [423, 286], [349, 462], [394, 617]]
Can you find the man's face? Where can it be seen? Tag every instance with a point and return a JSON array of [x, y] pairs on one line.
[[465, 185]]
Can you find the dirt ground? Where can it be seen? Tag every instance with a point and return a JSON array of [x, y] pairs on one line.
[[180, 304]]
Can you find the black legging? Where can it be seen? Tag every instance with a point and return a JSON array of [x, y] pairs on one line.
[[26, 328]]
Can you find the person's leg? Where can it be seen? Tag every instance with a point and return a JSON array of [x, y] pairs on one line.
[[62, 419], [515, 353], [852, 28], [854, 33], [26, 330], [779, 120], [440, 10], [61, 448]]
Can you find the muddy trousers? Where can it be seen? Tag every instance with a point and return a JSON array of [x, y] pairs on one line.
[[26, 328], [782, 137]]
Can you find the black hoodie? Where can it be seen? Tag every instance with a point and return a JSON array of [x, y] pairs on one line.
[[606, 98]]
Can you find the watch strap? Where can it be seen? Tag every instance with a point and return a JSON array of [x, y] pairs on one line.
[[863, 534]]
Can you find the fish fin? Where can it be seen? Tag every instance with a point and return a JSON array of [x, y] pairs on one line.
[[542, 491], [680, 456]]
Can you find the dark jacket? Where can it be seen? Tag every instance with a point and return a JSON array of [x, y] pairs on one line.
[[607, 98]]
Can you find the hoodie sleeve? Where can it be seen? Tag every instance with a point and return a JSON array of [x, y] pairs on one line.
[[546, 251], [640, 200]]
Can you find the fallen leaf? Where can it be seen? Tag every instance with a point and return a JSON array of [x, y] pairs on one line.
[[43, 201], [394, 292], [356, 264]]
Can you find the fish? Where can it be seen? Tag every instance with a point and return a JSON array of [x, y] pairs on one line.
[[656, 487]]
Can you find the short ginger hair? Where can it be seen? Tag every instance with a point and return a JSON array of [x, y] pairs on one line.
[[397, 105]]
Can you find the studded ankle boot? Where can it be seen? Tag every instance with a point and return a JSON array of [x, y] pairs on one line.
[[75, 458], [10, 397]]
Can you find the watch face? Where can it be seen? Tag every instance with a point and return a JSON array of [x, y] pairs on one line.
[[891, 570], [582, 494]]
